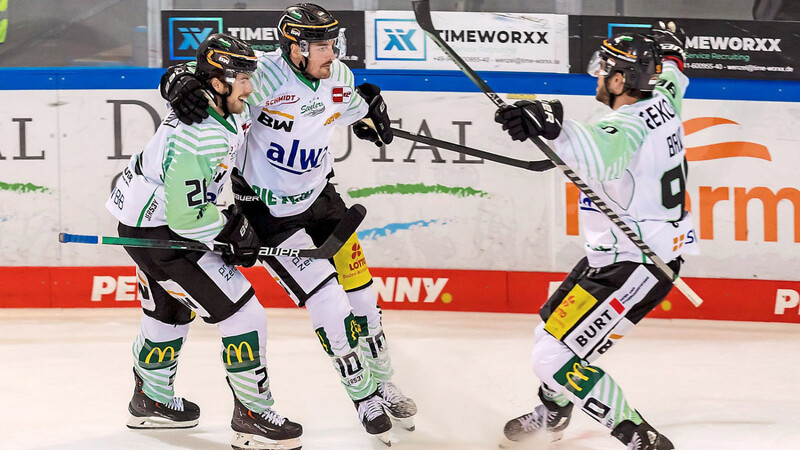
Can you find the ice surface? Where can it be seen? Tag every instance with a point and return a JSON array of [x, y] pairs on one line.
[[65, 381]]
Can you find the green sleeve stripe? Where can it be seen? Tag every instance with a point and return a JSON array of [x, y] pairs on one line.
[[146, 205], [338, 73], [215, 136], [573, 146], [191, 146], [266, 77], [590, 153], [220, 146], [285, 78], [186, 132], [577, 145], [355, 103]]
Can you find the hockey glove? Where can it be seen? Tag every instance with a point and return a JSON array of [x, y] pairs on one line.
[[185, 93], [544, 119], [671, 39], [377, 128], [243, 244]]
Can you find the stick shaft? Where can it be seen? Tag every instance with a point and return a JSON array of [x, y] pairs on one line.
[[423, 14], [536, 166]]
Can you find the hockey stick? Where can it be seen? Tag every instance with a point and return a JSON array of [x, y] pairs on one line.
[[422, 12], [344, 229], [536, 166]]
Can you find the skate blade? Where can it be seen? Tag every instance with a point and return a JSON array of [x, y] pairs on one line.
[[155, 422], [405, 422], [386, 437], [244, 441], [543, 440]]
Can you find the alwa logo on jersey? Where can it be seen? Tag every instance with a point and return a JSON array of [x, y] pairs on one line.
[[341, 94], [296, 160], [313, 108], [283, 121]]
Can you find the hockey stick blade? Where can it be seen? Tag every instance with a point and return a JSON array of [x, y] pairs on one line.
[[422, 13], [344, 229], [536, 166]]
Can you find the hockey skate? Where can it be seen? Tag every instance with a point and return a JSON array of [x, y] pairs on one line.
[[641, 437], [400, 408], [147, 413], [266, 430], [372, 413], [548, 416]]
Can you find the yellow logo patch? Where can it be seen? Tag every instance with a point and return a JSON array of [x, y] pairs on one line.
[[574, 306]]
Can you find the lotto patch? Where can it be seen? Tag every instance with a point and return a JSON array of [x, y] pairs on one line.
[[241, 352], [158, 355], [572, 309], [351, 265]]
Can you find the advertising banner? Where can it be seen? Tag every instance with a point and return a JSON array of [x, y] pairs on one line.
[[475, 232], [409, 289], [487, 41], [714, 48], [182, 31]]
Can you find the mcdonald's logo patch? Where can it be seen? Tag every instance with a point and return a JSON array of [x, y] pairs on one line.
[[578, 378], [158, 355], [352, 329], [240, 353]]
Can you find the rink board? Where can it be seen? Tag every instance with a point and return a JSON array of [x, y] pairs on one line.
[[429, 210], [410, 289]]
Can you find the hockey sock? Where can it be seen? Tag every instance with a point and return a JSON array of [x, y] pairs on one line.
[[155, 356], [338, 333], [244, 343], [554, 396], [373, 340], [597, 393]]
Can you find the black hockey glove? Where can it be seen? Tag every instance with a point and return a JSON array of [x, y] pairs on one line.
[[672, 41], [379, 131], [544, 119], [243, 244], [185, 93]]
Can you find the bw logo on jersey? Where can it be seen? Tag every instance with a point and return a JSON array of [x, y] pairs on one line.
[[297, 160], [276, 124]]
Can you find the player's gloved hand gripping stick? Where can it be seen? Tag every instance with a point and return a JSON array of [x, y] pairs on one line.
[[346, 227], [422, 12]]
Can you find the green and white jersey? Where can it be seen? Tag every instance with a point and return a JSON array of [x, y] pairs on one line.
[[287, 161], [634, 159], [178, 177]]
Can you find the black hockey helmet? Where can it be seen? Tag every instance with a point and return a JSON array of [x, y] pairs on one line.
[[635, 56], [221, 55], [303, 23]]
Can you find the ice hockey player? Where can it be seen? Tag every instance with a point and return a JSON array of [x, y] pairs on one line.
[[302, 91], [169, 191], [634, 159]]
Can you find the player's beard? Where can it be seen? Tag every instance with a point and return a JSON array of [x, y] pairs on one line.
[[602, 95], [323, 71]]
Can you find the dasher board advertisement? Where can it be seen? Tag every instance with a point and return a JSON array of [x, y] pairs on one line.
[[487, 41], [184, 30], [714, 48]]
